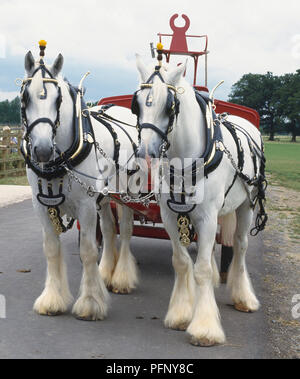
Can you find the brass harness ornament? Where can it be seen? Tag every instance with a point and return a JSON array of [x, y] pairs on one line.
[[54, 217], [185, 233]]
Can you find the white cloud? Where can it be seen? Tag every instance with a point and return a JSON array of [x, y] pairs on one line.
[[244, 36], [8, 95], [2, 46], [296, 47]]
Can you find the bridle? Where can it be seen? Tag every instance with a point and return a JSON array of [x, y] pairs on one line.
[[172, 109], [43, 95]]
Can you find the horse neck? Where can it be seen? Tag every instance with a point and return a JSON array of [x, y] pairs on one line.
[[188, 137], [64, 136]]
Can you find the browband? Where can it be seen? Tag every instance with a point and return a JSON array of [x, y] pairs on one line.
[[150, 85]]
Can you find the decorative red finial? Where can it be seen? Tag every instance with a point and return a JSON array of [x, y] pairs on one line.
[[179, 38]]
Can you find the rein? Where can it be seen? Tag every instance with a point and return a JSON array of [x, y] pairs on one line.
[[82, 129], [43, 96], [172, 109]]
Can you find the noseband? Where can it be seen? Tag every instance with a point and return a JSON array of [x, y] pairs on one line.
[[172, 109], [43, 95]]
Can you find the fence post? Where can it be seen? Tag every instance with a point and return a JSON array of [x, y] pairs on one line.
[[6, 142], [19, 139], [11, 159]]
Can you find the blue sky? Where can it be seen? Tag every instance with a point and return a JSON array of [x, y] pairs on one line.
[[103, 36]]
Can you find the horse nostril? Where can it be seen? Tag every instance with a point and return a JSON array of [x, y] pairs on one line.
[[43, 153]]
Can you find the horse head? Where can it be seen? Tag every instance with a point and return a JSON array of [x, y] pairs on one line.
[[40, 106], [157, 106]]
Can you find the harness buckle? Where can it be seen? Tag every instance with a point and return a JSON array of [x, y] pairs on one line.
[[19, 82], [220, 146], [180, 90]]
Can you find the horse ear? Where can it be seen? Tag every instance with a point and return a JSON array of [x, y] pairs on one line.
[[57, 65], [175, 75], [141, 68], [29, 62]]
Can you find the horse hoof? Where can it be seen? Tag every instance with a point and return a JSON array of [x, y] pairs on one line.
[[242, 308], [87, 318], [203, 342], [53, 314], [123, 291], [182, 327]]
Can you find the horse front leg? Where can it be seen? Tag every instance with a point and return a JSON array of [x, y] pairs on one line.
[[125, 276], [92, 302], [239, 282], [182, 300], [56, 297], [205, 328], [110, 253]]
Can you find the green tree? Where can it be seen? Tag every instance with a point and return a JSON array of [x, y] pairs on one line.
[[289, 104], [4, 112], [260, 93], [10, 112], [91, 103]]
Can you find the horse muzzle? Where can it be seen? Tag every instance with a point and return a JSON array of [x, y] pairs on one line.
[[43, 151], [149, 151]]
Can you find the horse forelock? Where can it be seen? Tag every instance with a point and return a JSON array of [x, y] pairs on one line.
[[159, 93], [36, 85]]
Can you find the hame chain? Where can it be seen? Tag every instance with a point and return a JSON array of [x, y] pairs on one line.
[[109, 159], [221, 147], [90, 190]]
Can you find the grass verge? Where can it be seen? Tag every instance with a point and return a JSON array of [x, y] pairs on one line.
[[17, 180], [283, 163]]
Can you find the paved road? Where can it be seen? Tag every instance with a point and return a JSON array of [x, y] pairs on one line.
[[130, 330]]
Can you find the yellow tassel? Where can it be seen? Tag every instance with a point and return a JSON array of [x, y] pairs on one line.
[[42, 43], [159, 46]]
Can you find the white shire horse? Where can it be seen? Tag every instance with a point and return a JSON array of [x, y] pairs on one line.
[[65, 149], [171, 123]]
